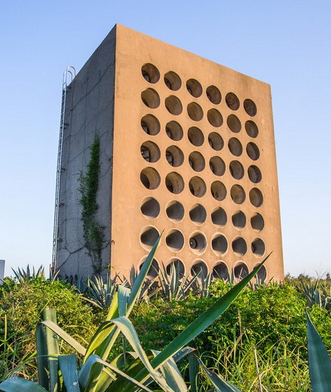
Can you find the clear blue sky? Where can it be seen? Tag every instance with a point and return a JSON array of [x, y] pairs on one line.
[[284, 43]]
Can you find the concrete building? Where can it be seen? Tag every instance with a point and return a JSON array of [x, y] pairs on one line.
[[186, 149]]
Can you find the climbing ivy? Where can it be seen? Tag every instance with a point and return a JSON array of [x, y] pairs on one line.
[[93, 231]]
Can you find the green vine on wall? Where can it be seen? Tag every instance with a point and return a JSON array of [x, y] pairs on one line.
[[93, 231]]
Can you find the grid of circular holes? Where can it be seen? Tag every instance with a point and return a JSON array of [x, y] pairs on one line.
[[235, 147], [174, 156], [251, 129], [239, 220], [172, 81], [214, 95], [150, 125], [232, 101], [262, 274], [174, 183], [234, 123], [177, 266], [219, 217], [258, 247], [250, 107], [175, 240], [215, 141], [218, 190], [153, 271], [150, 98], [239, 246], [150, 208], [215, 118], [199, 269], [253, 151], [219, 244], [198, 214], [150, 151], [240, 270], [149, 236], [236, 170], [174, 130], [150, 178], [195, 136], [197, 186], [175, 211], [256, 197], [238, 194], [254, 174], [150, 73], [197, 243], [220, 271], [195, 111], [194, 88], [196, 161], [173, 105], [257, 222], [217, 166]]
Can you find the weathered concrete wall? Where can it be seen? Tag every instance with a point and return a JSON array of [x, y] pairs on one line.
[[2, 269]]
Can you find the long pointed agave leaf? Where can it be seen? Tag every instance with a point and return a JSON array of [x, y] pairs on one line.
[[21, 385], [319, 361], [68, 367]]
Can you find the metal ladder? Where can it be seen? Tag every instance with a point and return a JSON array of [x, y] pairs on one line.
[[68, 76]]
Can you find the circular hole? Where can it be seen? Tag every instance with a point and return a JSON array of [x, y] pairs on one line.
[[258, 247], [239, 220], [150, 73], [239, 246], [218, 190], [196, 161], [174, 183], [251, 129], [174, 130], [174, 156], [214, 95], [262, 274], [153, 271], [150, 152], [150, 98], [235, 147], [175, 240], [197, 186], [199, 269], [219, 217], [232, 101], [238, 194], [220, 271], [150, 207], [175, 211], [176, 266], [150, 125], [149, 236], [240, 270], [194, 88], [194, 111], [215, 118], [219, 244], [195, 136], [172, 81], [250, 107], [255, 197], [150, 178], [197, 243], [257, 222], [215, 141], [236, 170], [198, 214], [254, 174], [234, 123], [253, 151], [173, 105], [217, 166]]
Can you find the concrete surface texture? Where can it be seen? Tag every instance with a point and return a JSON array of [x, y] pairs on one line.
[[187, 150]]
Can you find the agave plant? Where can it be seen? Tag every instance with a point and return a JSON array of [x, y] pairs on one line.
[[25, 275], [100, 292], [130, 371]]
